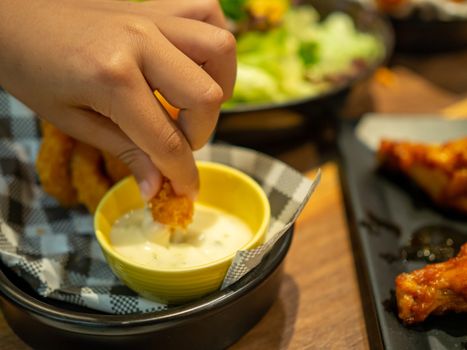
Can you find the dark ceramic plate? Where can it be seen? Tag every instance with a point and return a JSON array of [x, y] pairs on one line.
[[214, 322], [385, 215]]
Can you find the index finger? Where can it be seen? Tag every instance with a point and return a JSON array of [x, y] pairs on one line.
[[186, 86], [142, 118], [208, 11], [210, 47]]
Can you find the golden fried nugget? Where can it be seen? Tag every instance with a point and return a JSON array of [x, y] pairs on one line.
[[87, 175], [170, 209], [114, 167], [53, 164]]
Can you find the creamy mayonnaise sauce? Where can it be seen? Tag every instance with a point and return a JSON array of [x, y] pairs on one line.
[[212, 235]]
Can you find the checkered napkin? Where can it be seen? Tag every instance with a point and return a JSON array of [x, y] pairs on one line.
[[287, 190], [54, 249]]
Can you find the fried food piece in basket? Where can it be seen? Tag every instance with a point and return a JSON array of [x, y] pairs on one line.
[[434, 289], [53, 164], [170, 209], [87, 176], [114, 167], [440, 170]]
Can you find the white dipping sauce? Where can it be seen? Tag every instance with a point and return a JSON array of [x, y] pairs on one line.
[[213, 234]]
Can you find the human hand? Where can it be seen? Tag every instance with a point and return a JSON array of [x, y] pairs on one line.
[[90, 67]]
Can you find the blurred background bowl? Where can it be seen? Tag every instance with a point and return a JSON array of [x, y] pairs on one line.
[[262, 126], [426, 26], [416, 35]]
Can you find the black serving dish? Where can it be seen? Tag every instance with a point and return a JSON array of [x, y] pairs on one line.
[[386, 214], [263, 126], [415, 35], [213, 322]]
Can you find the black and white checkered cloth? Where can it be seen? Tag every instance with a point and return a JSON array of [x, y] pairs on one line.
[[54, 249]]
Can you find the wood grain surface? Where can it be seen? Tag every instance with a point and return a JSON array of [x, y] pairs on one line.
[[319, 306]]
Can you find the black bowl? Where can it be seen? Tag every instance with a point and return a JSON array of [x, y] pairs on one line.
[[416, 35], [213, 322], [260, 129]]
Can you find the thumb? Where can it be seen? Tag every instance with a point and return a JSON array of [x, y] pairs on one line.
[[147, 175]]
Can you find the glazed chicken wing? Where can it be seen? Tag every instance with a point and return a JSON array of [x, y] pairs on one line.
[[434, 289], [440, 170]]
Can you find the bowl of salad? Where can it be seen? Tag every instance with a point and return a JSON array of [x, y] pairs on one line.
[[292, 53]]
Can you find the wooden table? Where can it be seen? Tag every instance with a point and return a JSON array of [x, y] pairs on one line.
[[319, 305]]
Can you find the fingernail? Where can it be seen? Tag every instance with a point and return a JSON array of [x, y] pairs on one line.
[[145, 189]]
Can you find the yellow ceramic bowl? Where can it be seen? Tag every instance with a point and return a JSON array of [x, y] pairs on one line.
[[221, 187]]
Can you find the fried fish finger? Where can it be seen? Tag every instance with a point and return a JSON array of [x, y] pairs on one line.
[[53, 164], [87, 176]]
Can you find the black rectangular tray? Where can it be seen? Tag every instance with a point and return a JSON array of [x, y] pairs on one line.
[[384, 213]]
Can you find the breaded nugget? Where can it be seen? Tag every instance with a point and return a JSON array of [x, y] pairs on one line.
[[170, 209], [114, 167], [87, 175], [53, 164]]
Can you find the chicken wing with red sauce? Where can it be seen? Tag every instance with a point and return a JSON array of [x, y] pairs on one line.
[[440, 170], [434, 289]]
